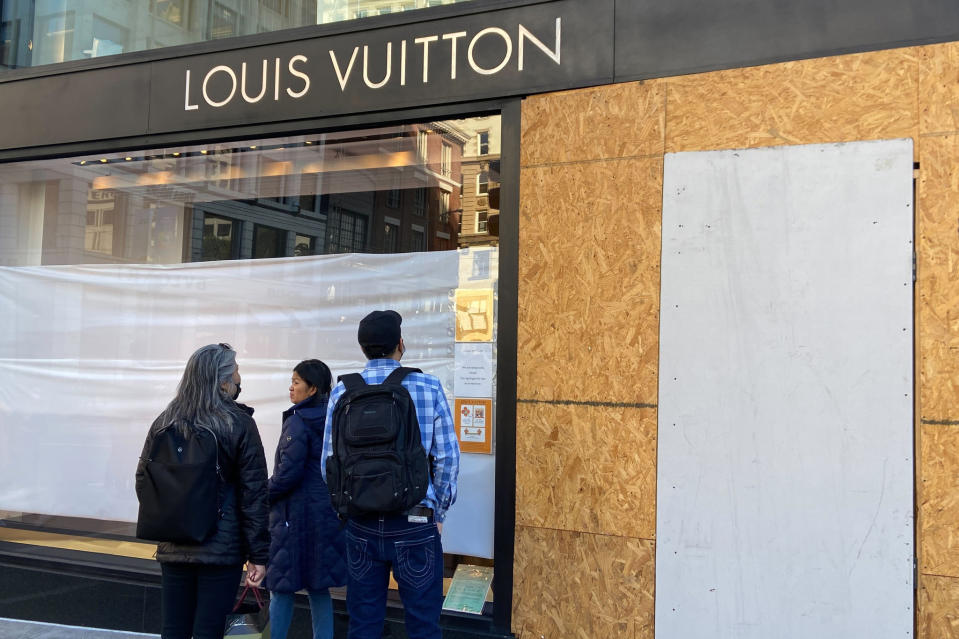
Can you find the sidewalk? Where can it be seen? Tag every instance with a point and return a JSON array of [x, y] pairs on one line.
[[16, 629]]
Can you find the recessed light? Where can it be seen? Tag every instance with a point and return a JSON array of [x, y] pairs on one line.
[[253, 146], [104, 160], [128, 159], [176, 154], [204, 151]]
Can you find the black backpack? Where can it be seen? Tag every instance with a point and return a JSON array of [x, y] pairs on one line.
[[378, 463], [179, 488]]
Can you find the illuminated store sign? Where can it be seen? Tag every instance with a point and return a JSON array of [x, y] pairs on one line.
[[399, 62], [485, 55]]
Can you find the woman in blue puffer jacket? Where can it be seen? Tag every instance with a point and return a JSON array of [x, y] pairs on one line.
[[307, 548]]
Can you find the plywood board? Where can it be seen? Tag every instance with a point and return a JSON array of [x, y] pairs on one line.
[[589, 281], [939, 88], [938, 278], [938, 500], [587, 468], [582, 586], [785, 468], [938, 600], [864, 96], [612, 121]]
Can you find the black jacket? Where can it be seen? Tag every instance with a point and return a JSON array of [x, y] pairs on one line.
[[307, 544], [241, 534]]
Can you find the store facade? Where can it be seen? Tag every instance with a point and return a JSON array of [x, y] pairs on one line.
[[534, 152]]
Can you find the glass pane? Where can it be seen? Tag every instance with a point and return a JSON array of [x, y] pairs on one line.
[[365, 191], [52, 31]]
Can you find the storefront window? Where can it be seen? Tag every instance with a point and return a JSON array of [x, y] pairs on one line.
[[37, 32], [115, 266]]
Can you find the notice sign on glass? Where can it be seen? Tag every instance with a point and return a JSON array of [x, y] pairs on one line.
[[469, 589], [473, 370], [474, 424]]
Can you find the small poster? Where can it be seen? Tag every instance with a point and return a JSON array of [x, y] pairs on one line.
[[474, 315], [473, 370], [469, 589], [474, 424]]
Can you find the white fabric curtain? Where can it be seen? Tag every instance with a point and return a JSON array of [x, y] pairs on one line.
[[90, 354]]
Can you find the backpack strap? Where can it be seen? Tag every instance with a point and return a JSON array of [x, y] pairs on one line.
[[352, 381], [399, 374]]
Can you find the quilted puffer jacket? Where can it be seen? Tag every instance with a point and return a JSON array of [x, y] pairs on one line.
[[241, 533], [307, 547]]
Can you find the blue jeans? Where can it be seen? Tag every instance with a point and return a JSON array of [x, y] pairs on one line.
[[196, 598], [321, 612], [415, 552]]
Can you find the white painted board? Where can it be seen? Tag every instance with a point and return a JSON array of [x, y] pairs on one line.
[[785, 469]]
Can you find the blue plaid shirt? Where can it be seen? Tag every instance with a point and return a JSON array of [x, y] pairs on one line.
[[436, 430]]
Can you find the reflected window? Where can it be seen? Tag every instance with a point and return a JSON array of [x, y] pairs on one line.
[[481, 221], [391, 237], [268, 242], [108, 39], [482, 183], [224, 22], [220, 238], [53, 40], [446, 160], [173, 11], [303, 245], [482, 142]]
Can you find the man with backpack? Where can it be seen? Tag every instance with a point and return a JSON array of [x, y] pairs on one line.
[[391, 459]]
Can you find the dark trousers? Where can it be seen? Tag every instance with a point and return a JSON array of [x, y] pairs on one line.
[[415, 553], [196, 598]]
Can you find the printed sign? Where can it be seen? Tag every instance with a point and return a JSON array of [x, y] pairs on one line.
[[474, 424], [474, 315]]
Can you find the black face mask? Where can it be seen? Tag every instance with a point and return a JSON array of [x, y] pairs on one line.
[[236, 393]]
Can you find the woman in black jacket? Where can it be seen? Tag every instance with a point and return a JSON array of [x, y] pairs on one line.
[[199, 581], [307, 545]]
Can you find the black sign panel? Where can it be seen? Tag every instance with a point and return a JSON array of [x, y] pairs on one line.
[[488, 55]]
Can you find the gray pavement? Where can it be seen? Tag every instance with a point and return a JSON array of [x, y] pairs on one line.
[[16, 629]]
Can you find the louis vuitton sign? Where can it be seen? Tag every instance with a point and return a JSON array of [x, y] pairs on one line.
[[478, 56]]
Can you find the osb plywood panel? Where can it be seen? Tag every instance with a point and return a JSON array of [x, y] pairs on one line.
[[938, 498], [586, 468], [613, 121], [589, 281], [864, 96], [582, 586], [938, 278], [939, 88], [938, 608]]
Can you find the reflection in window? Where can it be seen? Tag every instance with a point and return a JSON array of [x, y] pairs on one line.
[[219, 238], [224, 22], [303, 245], [53, 39], [349, 234], [391, 238], [268, 242], [308, 194], [417, 238], [482, 142], [173, 11], [446, 161], [108, 39], [481, 221], [33, 33], [482, 183]]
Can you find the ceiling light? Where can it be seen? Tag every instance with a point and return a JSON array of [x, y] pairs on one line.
[[104, 160]]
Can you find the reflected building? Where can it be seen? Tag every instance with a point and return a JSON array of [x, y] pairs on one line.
[[479, 218], [383, 190]]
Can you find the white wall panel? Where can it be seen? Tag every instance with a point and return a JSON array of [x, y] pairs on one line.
[[785, 470]]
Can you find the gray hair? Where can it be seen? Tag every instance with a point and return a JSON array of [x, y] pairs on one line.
[[201, 397]]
